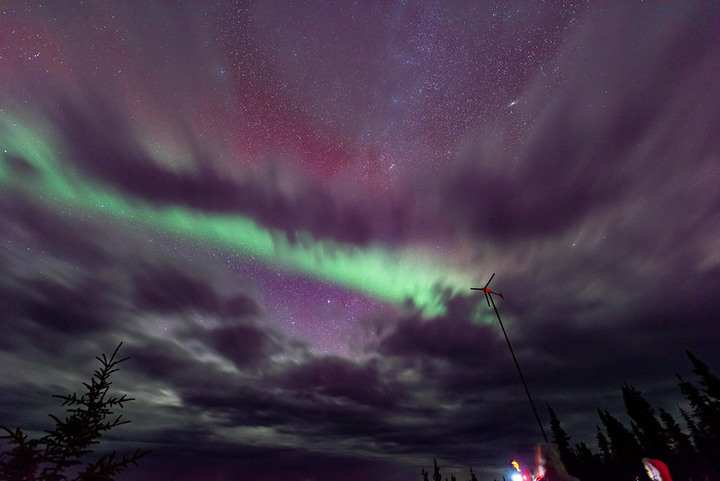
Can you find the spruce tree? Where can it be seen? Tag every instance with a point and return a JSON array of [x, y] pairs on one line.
[[710, 382], [705, 404], [705, 427], [604, 446], [645, 425], [560, 437], [472, 475], [624, 447], [679, 441], [63, 450], [436, 474], [590, 466]]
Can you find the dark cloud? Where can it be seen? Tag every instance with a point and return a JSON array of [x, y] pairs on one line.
[[341, 379], [242, 344], [160, 359], [240, 306], [46, 312], [445, 338], [19, 165], [577, 158], [35, 225], [169, 289], [67, 309]]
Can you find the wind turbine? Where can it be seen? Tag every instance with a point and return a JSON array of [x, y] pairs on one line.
[[487, 291], [491, 302]]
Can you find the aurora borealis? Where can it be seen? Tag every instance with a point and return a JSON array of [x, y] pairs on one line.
[[280, 207], [381, 273]]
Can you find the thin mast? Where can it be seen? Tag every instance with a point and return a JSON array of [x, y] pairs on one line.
[[488, 295]]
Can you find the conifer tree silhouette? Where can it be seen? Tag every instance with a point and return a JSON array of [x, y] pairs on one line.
[[690, 453], [60, 454], [646, 427], [472, 475], [436, 474], [561, 440]]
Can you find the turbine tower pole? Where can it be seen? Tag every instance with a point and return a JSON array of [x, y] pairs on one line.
[[488, 295]]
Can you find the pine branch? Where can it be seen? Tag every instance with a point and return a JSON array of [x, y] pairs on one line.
[[89, 416]]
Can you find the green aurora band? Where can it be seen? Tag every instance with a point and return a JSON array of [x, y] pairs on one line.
[[392, 276]]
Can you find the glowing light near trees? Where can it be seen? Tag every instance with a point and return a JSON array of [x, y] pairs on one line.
[[518, 475]]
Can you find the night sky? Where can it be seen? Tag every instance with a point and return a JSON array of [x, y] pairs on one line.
[[280, 207]]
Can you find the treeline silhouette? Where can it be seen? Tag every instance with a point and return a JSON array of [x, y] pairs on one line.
[[691, 452], [438, 477]]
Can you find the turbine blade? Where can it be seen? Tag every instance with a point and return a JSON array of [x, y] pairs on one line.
[[489, 280]]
